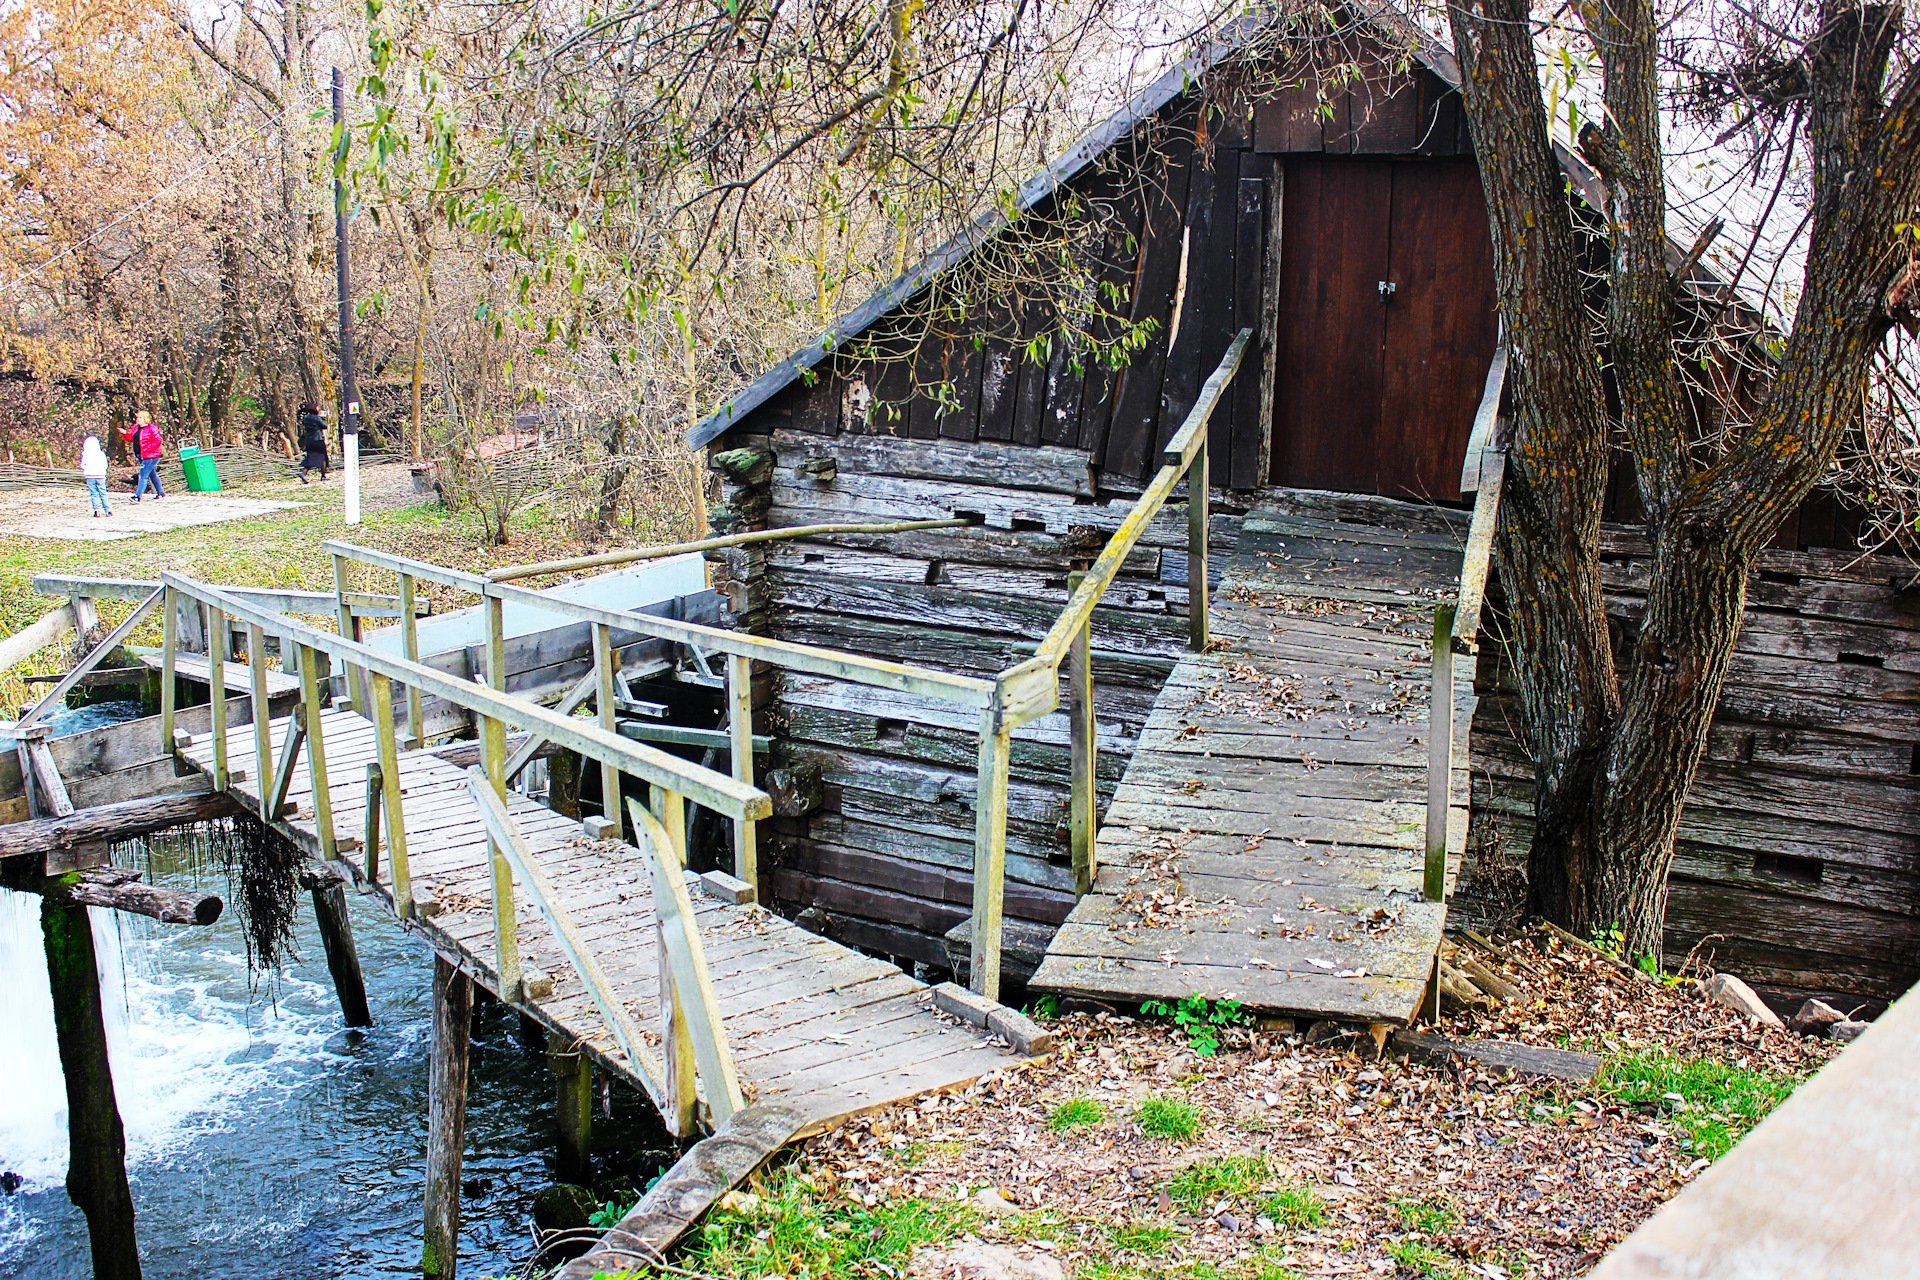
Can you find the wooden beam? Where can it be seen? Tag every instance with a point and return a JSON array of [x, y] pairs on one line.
[[317, 753], [1197, 513], [262, 712], [112, 822], [115, 638], [573, 1080], [608, 714], [391, 795], [97, 1142], [989, 854], [506, 916], [328, 887], [746, 845], [410, 646], [513, 573], [687, 960], [1083, 739], [446, 1118], [29, 640], [217, 691], [119, 889], [274, 799], [1439, 755]]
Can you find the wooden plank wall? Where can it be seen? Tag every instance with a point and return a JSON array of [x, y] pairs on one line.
[[888, 856], [1181, 220], [1798, 863]]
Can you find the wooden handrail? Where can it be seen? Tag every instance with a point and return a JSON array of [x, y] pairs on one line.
[[715, 790], [114, 640], [1186, 445], [506, 834], [854, 668]]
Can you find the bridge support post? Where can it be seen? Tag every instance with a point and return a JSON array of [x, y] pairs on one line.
[[336, 937], [446, 1118], [574, 1071], [97, 1164]]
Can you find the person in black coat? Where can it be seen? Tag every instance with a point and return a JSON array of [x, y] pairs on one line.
[[313, 439]]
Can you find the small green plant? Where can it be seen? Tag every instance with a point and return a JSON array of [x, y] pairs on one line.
[[1201, 1185], [1713, 1103], [1610, 940], [1423, 1260], [1269, 1267], [1045, 1007], [1201, 1019], [1076, 1113], [1143, 1237], [1429, 1217], [609, 1214], [1163, 1117], [1295, 1206], [792, 1231]]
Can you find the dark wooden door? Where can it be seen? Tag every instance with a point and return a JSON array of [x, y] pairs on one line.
[[1375, 392]]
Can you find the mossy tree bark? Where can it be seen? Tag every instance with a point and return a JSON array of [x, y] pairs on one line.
[[1616, 748], [97, 1166]]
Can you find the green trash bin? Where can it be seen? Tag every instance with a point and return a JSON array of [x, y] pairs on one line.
[[202, 475]]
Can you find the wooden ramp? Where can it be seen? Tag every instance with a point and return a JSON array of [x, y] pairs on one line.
[[814, 1026], [1267, 841]]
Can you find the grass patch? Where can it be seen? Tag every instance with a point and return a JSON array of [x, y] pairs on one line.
[[1201, 1186], [791, 1231], [1143, 1237], [1429, 1217], [1075, 1114], [1172, 1118], [1295, 1206], [1424, 1260], [1713, 1103]]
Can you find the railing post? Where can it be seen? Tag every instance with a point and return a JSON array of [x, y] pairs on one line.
[[506, 926], [1439, 754], [989, 852], [391, 799], [746, 860], [604, 670], [217, 690], [262, 719], [1198, 511], [317, 751], [410, 646], [169, 646], [676, 1036], [354, 682], [1083, 819]]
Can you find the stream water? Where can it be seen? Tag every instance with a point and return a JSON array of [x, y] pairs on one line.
[[262, 1139]]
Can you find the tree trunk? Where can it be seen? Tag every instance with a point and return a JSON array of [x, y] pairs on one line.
[[97, 1166], [1615, 753]]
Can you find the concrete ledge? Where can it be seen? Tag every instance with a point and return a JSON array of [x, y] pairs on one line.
[[718, 884]]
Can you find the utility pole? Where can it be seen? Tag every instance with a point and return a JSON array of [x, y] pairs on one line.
[[349, 387]]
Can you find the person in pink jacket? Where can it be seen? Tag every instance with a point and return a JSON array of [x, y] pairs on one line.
[[149, 448]]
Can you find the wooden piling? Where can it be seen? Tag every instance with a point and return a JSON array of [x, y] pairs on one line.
[[336, 937], [97, 1164], [574, 1072], [446, 1118]]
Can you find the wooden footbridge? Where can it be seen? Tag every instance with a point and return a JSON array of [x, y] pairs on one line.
[[1282, 835]]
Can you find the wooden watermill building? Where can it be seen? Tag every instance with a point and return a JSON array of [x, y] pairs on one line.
[[1340, 221]]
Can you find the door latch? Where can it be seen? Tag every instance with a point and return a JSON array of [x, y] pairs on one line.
[[1386, 288]]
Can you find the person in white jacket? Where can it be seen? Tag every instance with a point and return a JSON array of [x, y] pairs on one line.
[[93, 465]]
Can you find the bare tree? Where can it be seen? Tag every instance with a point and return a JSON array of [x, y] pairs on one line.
[[1616, 744]]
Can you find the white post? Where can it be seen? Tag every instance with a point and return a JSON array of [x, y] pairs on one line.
[[350, 445]]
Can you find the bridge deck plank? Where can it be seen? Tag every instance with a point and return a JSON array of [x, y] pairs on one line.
[[814, 1024], [1266, 842]]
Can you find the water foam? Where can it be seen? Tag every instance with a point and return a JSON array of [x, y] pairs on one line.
[[185, 1040]]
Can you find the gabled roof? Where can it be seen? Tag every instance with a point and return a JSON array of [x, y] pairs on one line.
[[1382, 15], [1091, 146]]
